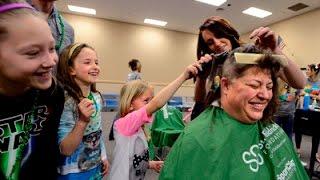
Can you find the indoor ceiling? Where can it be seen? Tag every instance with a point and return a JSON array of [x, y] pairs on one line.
[[187, 15]]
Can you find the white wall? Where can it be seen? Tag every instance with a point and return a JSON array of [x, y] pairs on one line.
[[301, 34], [164, 54]]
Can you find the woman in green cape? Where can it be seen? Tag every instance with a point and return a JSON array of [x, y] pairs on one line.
[[235, 138]]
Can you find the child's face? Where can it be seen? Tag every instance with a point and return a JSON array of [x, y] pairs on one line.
[[27, 55], [85, 67], [142, 100], [310, 72]]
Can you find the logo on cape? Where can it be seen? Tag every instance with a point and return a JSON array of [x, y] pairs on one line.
[[253, 158]]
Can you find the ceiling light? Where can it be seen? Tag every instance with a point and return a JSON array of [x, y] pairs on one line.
[[213, 2], [155, 22], [82, 9], [260, 13]]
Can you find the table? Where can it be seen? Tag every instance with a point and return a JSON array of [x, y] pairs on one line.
[[308, 122]]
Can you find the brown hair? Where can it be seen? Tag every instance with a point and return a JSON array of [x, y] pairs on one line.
[[66, 61], [232, 70], [315, 68], [133, 64], [14, 13], [222, 29]]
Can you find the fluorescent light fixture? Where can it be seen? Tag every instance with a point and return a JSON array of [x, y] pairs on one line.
[[213, 2], [155, 22], [82, 9], [260, 13]]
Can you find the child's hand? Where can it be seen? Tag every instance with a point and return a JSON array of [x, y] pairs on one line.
[[192, 70], [155, 165], [86, 109], [206, 63], [105, 167]]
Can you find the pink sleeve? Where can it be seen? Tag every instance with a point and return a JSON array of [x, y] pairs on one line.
[[131, 123]]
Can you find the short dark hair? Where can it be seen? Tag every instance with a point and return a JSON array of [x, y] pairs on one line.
[[314, 67], [233, 70], [133, 64]]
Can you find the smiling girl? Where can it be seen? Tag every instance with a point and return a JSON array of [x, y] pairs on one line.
[[31, 101], [83, 154]]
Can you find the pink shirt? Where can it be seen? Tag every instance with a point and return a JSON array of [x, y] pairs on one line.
[[130, 124]]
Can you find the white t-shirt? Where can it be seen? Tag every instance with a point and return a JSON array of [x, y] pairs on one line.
[[131, 155]]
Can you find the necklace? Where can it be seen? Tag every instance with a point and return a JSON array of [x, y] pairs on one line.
[[61, 37], [95, 104]]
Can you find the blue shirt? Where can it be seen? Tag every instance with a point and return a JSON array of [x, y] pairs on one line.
[[134, 75], [57, 29], [91, 150]]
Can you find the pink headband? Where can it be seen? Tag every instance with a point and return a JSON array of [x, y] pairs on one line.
[[11, 6]]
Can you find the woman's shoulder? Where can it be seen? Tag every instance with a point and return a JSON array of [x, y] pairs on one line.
[[212, 120], [201, 123]]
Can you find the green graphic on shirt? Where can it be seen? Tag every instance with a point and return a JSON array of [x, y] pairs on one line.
[[12, 144]]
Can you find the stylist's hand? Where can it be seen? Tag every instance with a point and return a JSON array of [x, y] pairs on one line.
[[86, 109], [206, 61], [265, 38]]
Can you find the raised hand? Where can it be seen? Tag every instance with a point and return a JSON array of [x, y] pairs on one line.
[[86, 109], [192, 70], [265, 38], [206, 62]]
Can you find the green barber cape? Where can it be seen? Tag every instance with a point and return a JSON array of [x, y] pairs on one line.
[[217, 146], [166, 127]]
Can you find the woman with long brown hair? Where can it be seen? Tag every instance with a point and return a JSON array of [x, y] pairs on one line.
[[216, 38]]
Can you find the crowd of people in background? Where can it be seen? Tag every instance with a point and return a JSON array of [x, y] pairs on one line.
[[51, 110]]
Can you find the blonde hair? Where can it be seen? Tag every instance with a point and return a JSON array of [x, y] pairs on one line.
[[129, 92], [14, 13]]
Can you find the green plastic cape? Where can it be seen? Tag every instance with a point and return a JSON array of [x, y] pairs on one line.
[[166, 127], [217, 146]]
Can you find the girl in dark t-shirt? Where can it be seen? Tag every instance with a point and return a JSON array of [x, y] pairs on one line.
[[31, 103]]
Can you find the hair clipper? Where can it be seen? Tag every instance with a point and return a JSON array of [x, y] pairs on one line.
[[217, 59]]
